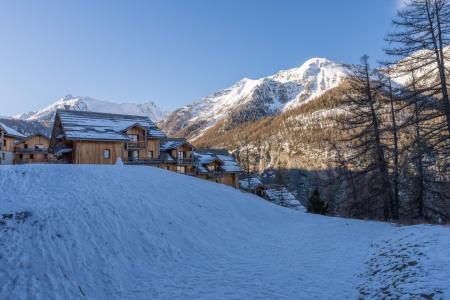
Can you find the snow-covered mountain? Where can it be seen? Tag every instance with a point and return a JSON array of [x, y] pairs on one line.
[[149, 109], [250, 99]]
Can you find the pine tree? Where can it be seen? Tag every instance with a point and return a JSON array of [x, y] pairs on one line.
[[363, 123], [316, 205]]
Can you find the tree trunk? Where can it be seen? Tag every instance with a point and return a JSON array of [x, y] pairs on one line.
[[396, 203]]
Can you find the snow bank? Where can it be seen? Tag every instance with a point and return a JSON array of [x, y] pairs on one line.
[[131, 232]]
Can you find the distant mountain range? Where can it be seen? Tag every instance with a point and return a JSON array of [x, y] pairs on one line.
[[247, 100], [149, 109], [250, 99]]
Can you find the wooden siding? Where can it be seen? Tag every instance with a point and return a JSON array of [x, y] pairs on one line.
[[33, 141], [154, 145], [21, 157], [86, 152], [8, 144]]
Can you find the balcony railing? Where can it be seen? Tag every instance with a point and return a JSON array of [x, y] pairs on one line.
[[135, 145], [32, 150], [215, 174], [167, 158], [184, 161], [138, 161]]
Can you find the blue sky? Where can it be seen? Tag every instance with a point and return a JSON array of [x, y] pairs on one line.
[[171, 52]]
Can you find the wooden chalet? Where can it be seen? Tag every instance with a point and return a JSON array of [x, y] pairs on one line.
[[217, 165], [177, 156], [81, 137], [8, 137], [32, 149]]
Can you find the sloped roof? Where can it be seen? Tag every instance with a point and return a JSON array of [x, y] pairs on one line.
[[170, 144], [83, 125], [203, 157], [11, 132], [26, 138], [253, 180]]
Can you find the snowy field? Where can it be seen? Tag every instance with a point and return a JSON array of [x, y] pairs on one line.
[[124, 232]]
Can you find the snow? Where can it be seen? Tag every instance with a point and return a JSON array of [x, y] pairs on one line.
[[250, 183], [206, 156], [279, 92], [9, 131], [101, 126], [148, 109], [170, 144], [131, 232], [280, 195]]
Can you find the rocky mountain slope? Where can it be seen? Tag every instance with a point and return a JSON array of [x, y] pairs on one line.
[[251, 100]]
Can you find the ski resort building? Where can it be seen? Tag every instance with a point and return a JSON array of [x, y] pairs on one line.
[[8, 137], [217, 165], [177, 156], [81, 137], [32, 149]]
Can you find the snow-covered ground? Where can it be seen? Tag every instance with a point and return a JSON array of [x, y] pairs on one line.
[[130, 232]]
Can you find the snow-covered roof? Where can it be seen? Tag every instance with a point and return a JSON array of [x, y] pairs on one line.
[[10, 132], [253, 180], [282, 196], [26, 138], [170, 144], [83, 125], [204, 157]]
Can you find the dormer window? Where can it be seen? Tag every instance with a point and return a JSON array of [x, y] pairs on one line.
[[212, 168], [134, 138]]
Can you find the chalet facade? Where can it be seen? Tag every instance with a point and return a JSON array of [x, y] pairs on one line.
[[80, 137], [8, 137], [217, 165], [32, 149], [177, 155]]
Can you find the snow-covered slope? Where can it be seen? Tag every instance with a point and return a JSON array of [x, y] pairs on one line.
[[149, 109], [124, 232], [250, 99]]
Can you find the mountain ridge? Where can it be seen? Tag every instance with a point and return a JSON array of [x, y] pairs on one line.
[[252, 99], [85, 103]]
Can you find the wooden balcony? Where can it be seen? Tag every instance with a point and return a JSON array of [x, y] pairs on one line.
[[137, 161], [215, 174], [32, 150], [135, 145], [184, 161]]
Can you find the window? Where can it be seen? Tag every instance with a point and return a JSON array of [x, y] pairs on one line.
[[133, 138], [25, 146], [45, 156], [150, 154], [106, 154], [31, 156], [20, 156], [212, 167], [39, 146], [181, 169]]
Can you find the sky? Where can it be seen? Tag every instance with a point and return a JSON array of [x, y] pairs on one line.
[[171, 52]]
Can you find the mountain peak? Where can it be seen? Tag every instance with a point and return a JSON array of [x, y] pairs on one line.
[[82, 103], [250, 99]]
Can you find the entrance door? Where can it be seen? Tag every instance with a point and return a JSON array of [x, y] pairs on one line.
[[133, 155]]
